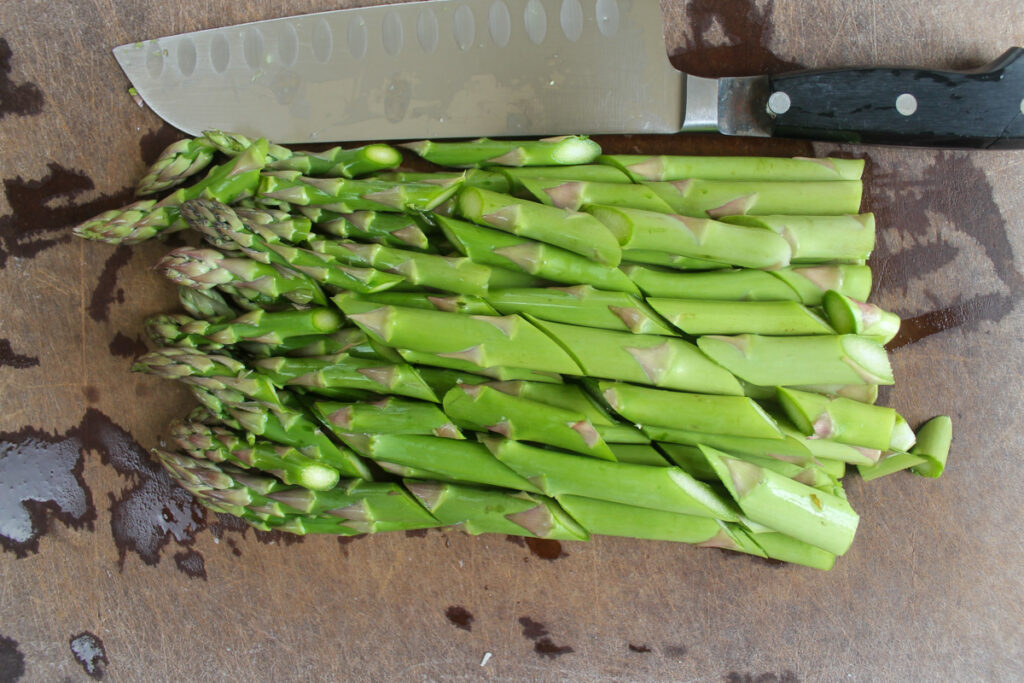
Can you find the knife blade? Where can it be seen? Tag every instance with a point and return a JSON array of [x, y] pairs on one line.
[[468, 68]]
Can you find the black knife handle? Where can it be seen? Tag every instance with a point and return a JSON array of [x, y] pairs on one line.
[[983, 108]]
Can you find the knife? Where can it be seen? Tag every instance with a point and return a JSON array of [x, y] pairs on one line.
[[468, 68]]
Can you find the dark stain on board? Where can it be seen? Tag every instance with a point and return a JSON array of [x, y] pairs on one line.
[[91, 394], [416, 533], [546, 548], [12, 661], [675, 651], [543, 645], [191, 563], [768, 677], [43, 210], [460, 616], [643, 649], [9, 358], [124, 346], [106, 292], [955, 196], [88, 651], [18, 99]]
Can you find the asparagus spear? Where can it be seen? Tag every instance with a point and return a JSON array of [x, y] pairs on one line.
[[605, 518], [850, 316], [345, 196], [715, 198], [788, 361], [840, 419], [668, 260], [430, 301], [387, 416], [325, 374], [478, 510], [394, 229], [500, 249], [569, 149], [474, 177], [483, 408], [594, 173], [694, 237], [777, 318], [819, 239], [341, 163], [811, 282], [380, 506], [207, 304], [575, 195], [579, 233], [641, 167], [719, 285], [461, 364], [927, 457], [581, 305], [176, 164]]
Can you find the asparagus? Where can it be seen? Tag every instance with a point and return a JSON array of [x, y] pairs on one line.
[[811, 282], [594, 173], [500, 249], [341, 163], [579, 233], [581, 305], [840, 419], [145, 219], [176, 164], [569, 149], [325, 374], [788, 361], [274, 327], [461, 364], [478, 510], [777, 318], [927, 458], [819, 239], [474, 177], [668, 260], [375, 506], [397, 230], [694, 237], [605, 518], [850, 316], [207, 304], [483, 408], [716, 198], [805, 285], [345, 196], [641, 167], [451, 303], [387, 416], [575, 195]]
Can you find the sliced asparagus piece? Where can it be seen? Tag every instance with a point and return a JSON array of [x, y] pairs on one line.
[[840, 419], [927, 457], [850, 316], [569, 149]]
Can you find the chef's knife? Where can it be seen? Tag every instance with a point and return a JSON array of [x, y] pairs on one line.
[[466, 68]]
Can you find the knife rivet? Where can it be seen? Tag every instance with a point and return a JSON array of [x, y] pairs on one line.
[[778, 103], [906, 104]]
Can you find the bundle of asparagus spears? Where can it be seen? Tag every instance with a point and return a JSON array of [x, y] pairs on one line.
[[545, 341]]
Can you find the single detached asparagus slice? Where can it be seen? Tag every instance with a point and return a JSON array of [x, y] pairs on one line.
[[811, 282], [394, 229], [176, 164], [667, 260], [502, 250], [729, 415], [229, 182], [387, 416], [819, 239], [593, 173], [341, 163], [483, 408], [381, 505], [776, 318], [694, 237], [459, 275], [641, 167], [223, 445], [718, 285], [797, 510], [579, 233], [642, 358], [789, 361], [344, 371], [486, 341], [850, 316], [569, 149], [715, 198], [573, 195], [658, 488], [206, 304], [581, 305], [605, 518], [478, 510], [927, 457], [454, 460], [839, 419], [208, 268], [345, 196]]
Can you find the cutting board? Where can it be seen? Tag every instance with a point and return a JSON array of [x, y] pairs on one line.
[[107, 570]]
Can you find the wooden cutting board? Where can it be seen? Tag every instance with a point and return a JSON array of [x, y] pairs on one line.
[[106, 569]]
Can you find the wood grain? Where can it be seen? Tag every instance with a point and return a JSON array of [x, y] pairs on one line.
[[930, 591]]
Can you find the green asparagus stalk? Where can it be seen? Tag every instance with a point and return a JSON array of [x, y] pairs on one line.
[[483, 408], [502, 250], [839, 419], [305, 346], [819, 239], [805, 285], [658, 488], [789, 361], [811, 282], [345, 196], [927, 457], [233, 144], [579, 233], [797, 510], [145, 219], [461, 364], [206, 304], [716, 198], [776, 318], [274, 225], [641, 168], [393, 229], [787, 449], [275, 327], [666, 362], [223, 445], [387, 416], [850, 316], [474, 177], [433, 301], [380, 506], [168, 330], [732, 415], [590, 173], [574, 195], [694, 237], [486, 341], [328, 270], [569, 149], [605, 518], [176, 164], [208, 268], [581, 305], [344, 371], [341, 163], [478, 510], [667, 260]]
